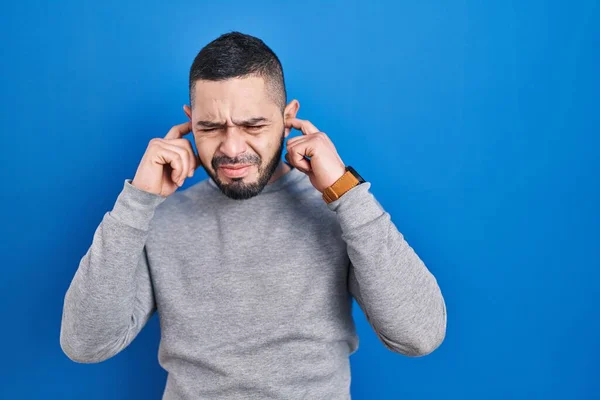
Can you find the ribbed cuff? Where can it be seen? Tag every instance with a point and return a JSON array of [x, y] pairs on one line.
[[356, 207], [135, 207]]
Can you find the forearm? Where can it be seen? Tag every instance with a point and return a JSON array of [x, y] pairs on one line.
[[397, 292], [108, 299]]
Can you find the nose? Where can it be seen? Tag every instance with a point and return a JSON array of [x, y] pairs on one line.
[[233, 143]]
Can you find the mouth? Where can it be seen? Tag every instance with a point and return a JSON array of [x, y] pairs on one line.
[[235, 171]]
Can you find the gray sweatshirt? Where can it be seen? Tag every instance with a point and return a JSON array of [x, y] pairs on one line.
[[254, 297]]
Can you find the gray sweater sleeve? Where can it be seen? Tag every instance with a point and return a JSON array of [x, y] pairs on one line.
[[110, 298], [397, 293]]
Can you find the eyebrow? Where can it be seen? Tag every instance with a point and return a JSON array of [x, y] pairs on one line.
[[249, 121]]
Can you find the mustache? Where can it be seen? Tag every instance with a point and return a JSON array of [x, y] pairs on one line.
[[246, 159]]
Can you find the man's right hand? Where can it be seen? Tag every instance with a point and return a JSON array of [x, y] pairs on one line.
[[167, 162]]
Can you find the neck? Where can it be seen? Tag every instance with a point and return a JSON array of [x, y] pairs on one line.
[[281, 170]]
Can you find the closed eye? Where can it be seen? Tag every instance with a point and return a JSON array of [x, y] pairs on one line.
[[253, 128]]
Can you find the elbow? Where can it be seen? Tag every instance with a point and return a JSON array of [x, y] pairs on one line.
[[83, 349], [427, 345], [416, 346], [426, 341], [419, 342], [78, 352], [82, 343], [434, 338]]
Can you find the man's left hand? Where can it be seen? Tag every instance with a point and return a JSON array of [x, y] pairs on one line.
[[325, 165]]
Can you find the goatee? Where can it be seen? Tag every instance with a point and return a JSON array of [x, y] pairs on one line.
[[238, 189]]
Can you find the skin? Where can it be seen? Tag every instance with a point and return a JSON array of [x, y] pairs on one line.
[[224, 134], [226, 130]]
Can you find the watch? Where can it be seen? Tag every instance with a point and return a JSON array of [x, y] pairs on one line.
[[346, 182]]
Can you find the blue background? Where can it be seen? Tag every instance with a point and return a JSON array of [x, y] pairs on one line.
[[476, 122]]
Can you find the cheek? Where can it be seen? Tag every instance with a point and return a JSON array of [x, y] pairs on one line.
[[266, 147], [206, 150]]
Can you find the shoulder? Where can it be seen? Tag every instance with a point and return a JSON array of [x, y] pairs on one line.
[[183, 202]]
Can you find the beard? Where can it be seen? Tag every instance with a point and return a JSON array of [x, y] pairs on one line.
[[238, 189]]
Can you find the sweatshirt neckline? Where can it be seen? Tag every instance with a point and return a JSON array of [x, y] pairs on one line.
[[293, 175]]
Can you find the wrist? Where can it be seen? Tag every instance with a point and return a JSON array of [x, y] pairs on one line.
[[347, 181]]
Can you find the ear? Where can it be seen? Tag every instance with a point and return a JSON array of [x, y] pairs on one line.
[[290, 111], [188, 111]]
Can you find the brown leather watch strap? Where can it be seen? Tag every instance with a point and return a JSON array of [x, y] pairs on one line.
[[339, 187]]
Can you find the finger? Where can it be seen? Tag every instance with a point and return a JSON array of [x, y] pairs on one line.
[[301, 124], [300, 166], [187, 146], [173, 159], [179, 131], [297, 153], [319, 136], [185, 159], [297, 139]]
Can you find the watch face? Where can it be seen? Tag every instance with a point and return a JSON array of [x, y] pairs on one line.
[[356, 175]]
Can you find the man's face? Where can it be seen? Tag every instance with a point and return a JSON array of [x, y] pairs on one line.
[[236, 123]]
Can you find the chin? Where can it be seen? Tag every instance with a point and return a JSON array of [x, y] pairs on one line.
[[241, 191], [240, 188]]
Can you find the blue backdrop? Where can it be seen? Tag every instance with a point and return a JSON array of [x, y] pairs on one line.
[[476, 122]]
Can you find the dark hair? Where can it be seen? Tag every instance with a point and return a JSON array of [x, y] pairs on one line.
[[235, 54]]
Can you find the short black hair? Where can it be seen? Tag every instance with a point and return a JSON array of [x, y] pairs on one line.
[[236, 54]]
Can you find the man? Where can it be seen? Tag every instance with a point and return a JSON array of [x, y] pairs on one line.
[[252, 270]]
